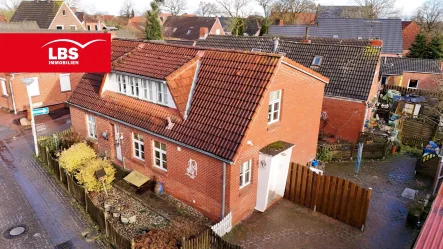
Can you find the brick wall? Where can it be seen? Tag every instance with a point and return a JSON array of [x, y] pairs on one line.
[[66, 21], [345, 118], [217, 25], [425, 81], [302, 98], [204, 192]]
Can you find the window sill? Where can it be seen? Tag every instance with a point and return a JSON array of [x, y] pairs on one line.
[[244, 186], [5, 96], [67, 91], [92, 139], [160, 170], [138, 159]]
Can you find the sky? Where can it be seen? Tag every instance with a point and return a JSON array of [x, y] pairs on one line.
[[408, 7]]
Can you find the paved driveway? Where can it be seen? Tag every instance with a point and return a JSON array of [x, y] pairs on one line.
[[287, 225]]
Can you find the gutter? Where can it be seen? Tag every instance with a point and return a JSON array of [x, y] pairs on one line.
[[12, 93], [153, 134]]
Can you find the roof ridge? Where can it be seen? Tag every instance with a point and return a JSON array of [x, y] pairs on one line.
[[409, 58], [325, 44]]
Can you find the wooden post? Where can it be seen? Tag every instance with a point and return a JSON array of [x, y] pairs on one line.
[[106, 224], [366, 207]]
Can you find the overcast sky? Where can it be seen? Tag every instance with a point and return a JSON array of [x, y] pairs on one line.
[[113, 6]]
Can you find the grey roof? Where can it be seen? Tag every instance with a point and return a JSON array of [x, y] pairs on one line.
[[388, 30], [351, 69], [42, 12], [186, 27], [19, 26], [180, 42], [124, 34], [340, 11], [399, 65]]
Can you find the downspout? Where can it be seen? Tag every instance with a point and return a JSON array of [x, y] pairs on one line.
[[12, 93], [224, 190]]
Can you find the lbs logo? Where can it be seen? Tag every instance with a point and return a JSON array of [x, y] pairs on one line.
[[59, 52], [64, 55]]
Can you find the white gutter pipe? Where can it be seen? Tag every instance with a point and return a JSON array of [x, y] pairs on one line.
[[12, 93]]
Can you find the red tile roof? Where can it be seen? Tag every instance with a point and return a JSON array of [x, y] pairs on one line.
[[121, 47], [155, 60], [409, 33], [431, 235], [228, 91]]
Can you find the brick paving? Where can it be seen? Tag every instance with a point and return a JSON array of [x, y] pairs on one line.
[[287, 225], [34, 197]]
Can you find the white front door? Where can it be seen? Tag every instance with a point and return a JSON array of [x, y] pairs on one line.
[[118, 147]]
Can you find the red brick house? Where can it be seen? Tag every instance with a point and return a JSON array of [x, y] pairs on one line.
[[48, 90], [410, 30], [202, 120], [414, 73], [351, 65]]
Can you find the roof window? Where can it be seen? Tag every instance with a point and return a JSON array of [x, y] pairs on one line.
[[335, 36], [256, 50], [187, 33], [175, 29], [360, 38], [317, 60]]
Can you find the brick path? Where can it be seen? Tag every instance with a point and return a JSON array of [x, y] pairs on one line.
[[41, 202], [286, 225]]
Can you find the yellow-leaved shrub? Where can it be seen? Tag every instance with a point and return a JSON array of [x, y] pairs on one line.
[[75, 157], [86, 175]]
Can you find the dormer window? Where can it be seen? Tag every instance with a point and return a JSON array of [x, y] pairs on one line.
[[256, 50], [145, 89], [64, 12], [317, 60]]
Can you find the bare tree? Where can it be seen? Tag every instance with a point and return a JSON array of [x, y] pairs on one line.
[[234, 8], [379, 8], [72, 3], [292, 11], [126, 9], [206, 9], [174, 6], [266, 5], [10, 5], [430, 15]]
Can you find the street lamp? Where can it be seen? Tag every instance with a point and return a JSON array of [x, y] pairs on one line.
[[28, 82]]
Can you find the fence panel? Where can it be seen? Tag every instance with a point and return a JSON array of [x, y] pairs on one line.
[[96, 213], [117, 240], [330, 195], [224, 226], [64, 177], [208, 240], [76, 190], [348, 151]]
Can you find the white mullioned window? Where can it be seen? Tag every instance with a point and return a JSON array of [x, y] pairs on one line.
[[138, 146], [92, 127], [160, 155], [150, 90], [274, 106], [245, 173]]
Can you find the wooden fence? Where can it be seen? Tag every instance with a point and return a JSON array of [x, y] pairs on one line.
[[224, 226], [333, 196], [417, 132], [208, 240], [350, 151]]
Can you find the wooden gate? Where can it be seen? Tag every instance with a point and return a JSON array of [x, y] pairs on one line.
[[333, 196]]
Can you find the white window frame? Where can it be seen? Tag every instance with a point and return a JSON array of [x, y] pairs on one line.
[[64, 12], [75, 27], [161, 93], [245, 171], [156, 92], [319, 62], [335, 36], [3, 86], [138, 145], [146, 90], [217, 31], [272, 103], [409, 82], [96, 27], [67, 87], [62, 26], [162, 155], [91, 122]]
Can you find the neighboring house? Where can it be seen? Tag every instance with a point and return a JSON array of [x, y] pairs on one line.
[[253, 26], [352, 70], [388, 30], [200, 121], [411, 72], [89, 22], [48, 90], [48, 15], [19, 26], [189, 28], [410, 30], [137, 24]]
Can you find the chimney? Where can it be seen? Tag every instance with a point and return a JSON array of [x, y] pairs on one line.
[[203, 33], [276, 43], [170, 124], [376, 43], [282, 23], [306, 40]]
